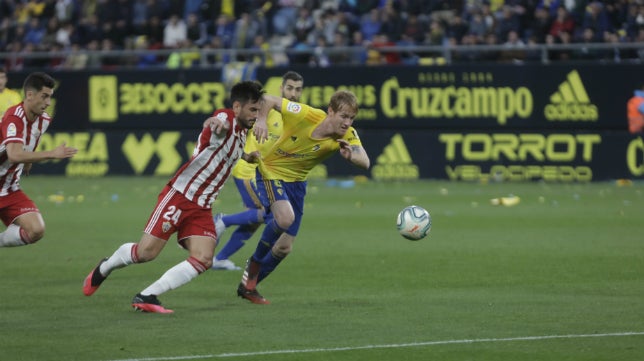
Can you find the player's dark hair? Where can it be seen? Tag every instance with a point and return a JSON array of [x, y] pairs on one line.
[[344, 99], [292, 75], [246, 91], [37, 81]]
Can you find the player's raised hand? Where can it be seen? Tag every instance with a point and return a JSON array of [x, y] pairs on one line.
[[217, 125]]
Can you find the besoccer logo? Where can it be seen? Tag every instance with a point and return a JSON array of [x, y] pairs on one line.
[[395, 162], [571, 102]]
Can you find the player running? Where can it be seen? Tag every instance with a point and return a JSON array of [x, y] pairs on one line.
[[184, 205], [20, 130], [309, 136], [244, 173]]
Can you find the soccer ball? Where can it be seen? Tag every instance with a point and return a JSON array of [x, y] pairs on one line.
[[414, 223]]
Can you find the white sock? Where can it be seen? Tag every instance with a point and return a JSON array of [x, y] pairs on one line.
[[121, 258], [175, 277], [11, 237]]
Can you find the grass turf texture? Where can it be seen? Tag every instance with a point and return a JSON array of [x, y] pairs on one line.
[[567, 260]]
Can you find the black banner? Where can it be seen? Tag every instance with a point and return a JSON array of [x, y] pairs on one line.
[[538, 97], [403, 155]]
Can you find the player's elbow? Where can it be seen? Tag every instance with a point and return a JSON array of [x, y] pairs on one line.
[[14, 157]]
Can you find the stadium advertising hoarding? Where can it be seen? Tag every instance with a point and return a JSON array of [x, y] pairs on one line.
[[475, 123], [395, 155], [472, 97]]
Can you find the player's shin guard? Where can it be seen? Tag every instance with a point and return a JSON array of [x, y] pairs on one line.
[[176, 276], [269, 236], [269, 263]]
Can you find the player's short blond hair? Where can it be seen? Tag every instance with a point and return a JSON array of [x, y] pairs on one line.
[[344, 99]]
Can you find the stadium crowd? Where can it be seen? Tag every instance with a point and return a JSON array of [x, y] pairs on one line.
[[307, 31]]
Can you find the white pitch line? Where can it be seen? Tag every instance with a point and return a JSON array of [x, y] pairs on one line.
[[370, 347]]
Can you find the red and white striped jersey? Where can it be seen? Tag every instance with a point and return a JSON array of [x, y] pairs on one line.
[[14, 128], [204, 175]]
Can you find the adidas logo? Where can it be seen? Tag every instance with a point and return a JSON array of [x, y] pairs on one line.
[[395, 162], [571, 102]]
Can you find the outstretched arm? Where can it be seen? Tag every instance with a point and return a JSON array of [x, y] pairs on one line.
[[354, 154], [17, 154]]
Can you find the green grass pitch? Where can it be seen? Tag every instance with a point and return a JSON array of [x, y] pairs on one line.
[[557, 277]]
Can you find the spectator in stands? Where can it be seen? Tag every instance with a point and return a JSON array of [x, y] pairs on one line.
[[414, 28], [386, 57], [391, 23], [76, 59], [8, 97], [304, 22], [154, 32], [246, 28], [34, 33], [217, 57], [94, 60], [223, 28], [175, 32], [285, 16], [140, 16], [196, 31], [370, 24], [490, 55], [88, 29], [635, 111], [514, 48], [540, 25], [563, 23], [586, 52], [508, 21], [596, 19], [337, 56], [457, 28]]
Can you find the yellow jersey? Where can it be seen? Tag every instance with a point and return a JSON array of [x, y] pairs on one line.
[[296, 152], [8, 98], [245, 170]]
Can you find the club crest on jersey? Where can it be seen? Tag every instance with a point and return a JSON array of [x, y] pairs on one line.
[[222, 116], [11, 130], [293, 107], [165, 227]]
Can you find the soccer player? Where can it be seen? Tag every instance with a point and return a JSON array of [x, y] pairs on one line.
[[243, 173], [21, 128], [184, 205], [8, 97], [309, 136]]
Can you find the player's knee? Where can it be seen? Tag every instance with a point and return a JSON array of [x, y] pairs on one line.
[[285, 221], [207, 262], [145, 254], [34, 234]]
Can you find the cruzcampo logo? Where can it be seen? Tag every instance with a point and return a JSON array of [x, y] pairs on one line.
[[571, 102], [395, 163]]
